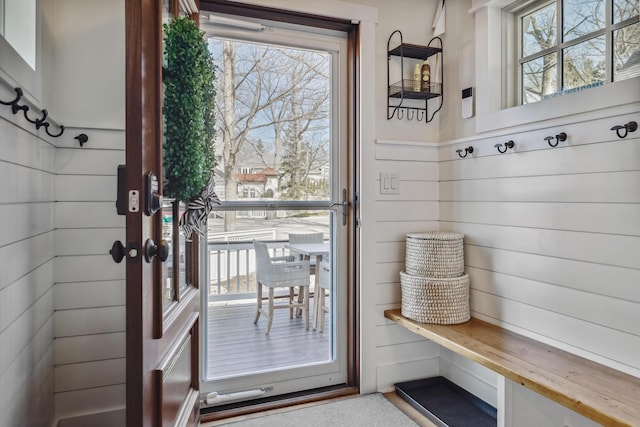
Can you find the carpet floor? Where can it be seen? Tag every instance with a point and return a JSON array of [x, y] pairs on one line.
[[371, 410]]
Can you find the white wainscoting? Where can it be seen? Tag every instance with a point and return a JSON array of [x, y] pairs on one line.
[[26, 271], [552, 237], [399, 354], [89, 294]]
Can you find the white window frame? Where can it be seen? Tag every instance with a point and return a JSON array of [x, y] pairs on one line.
[[15, 71], [496, 87], [561, 44]]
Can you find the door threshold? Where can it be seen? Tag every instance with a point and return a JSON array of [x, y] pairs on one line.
[[219, 415]]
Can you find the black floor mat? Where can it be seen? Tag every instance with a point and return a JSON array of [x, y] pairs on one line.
[[447, 404]]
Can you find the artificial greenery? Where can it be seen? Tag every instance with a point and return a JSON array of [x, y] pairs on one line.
[[189, 94]]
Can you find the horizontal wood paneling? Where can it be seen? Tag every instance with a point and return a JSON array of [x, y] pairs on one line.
[[26, 273], [87, 268], [399, 355], [586, 217], [86, 188], [17, 297], [90, 288], [389, 374], [22, 148], [398, 233], [88, 215], [92, 374], [473, 377], [21, 184], [409, 191], [609, 187], [597, 308], [89, 400], [23, 329], [89, 161], [599, 343], [24, 256], [26, 220], [89, 294], [407, 351], [86, 348], [87, 321], [392, 211], [35, 391], [552, 237], [70, 242]]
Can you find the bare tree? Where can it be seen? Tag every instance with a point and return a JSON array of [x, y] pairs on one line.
[[263, 92]]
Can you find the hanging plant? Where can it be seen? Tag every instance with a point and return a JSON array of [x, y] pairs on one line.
[[189, 94]]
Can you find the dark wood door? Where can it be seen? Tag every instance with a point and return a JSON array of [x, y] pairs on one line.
[[162, 297]]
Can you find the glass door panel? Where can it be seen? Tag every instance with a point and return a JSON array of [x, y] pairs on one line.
[[281, 169]]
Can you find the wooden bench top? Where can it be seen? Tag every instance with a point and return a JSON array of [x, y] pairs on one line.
[[598, 392]]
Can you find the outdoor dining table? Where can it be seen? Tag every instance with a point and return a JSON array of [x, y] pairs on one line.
[[318, 250]]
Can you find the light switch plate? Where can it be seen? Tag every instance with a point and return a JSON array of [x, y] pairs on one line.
[[389, 183]]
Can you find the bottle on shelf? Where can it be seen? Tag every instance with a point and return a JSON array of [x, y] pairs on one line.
[[425, 77], [417, 78]]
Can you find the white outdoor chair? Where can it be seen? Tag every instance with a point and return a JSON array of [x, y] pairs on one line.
[[280, 272], [324, 285]]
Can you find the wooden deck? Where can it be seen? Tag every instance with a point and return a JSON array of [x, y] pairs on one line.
[[236, 346]]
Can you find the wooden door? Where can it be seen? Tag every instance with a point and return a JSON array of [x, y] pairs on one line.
[[162, 321]]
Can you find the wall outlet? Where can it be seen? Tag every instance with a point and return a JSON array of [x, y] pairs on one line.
[[389, 183]]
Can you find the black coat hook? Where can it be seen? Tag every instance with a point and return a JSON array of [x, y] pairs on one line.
[[14, 103], [559, 137], [507, 145], [82, 139], [46, 125], [467, 151], [629, 127]]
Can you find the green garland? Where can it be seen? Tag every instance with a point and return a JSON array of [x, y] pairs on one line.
[[189, 96]]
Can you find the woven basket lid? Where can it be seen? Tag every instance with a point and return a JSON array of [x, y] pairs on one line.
[[436, 235]]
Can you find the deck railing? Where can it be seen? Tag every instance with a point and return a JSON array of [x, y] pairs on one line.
[[232, 263]]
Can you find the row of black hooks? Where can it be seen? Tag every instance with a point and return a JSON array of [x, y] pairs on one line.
[[553, 141], [39, 122], [621, 130]]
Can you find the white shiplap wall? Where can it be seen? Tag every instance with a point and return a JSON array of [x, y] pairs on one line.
[[400, 354], [89, 294], [552, 244], [552, 235], [26, 271]]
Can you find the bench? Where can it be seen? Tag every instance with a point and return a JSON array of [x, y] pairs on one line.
[[603, 394]]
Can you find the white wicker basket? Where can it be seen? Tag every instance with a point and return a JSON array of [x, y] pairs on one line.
[[439, 301], [438, 254]]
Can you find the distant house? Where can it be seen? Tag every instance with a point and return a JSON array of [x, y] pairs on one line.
[[257, 184]]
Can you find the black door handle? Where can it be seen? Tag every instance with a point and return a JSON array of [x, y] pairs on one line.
[[117, 251], [161, 250]]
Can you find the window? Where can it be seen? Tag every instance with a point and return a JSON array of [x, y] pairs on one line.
[[18, 27], [571, 45]]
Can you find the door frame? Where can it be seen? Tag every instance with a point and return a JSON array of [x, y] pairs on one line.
[[351, 28]]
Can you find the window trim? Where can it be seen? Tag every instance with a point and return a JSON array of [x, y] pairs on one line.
[[496, 100], [16, 72]]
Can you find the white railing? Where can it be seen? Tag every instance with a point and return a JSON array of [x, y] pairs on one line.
[[232, 263]]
